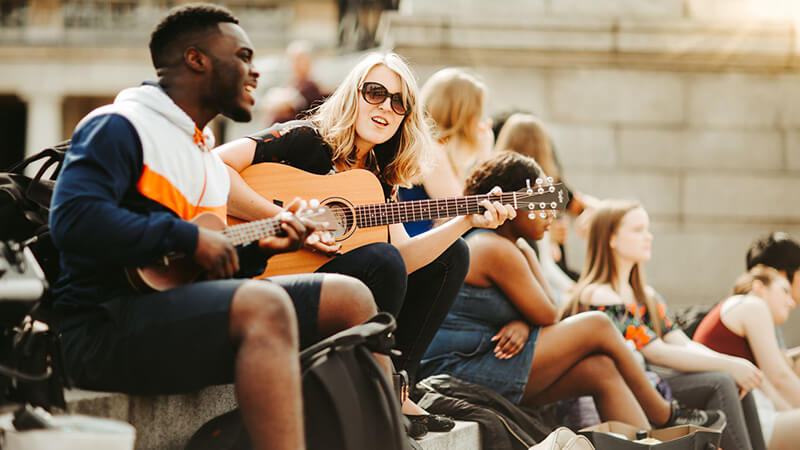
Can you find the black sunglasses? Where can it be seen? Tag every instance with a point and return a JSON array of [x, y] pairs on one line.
[[376, 93]]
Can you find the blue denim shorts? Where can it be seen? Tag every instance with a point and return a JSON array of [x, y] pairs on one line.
[[463, 347]]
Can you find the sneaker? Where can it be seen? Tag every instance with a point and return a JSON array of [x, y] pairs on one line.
[[713, 418]]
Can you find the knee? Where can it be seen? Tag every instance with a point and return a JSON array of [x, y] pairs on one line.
[[261, 309], [347, 296], [456, 257], [600, 370], [386, 260]]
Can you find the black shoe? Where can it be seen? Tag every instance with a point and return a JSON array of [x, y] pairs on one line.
[[415, 430], [433, 422], [679, 415]]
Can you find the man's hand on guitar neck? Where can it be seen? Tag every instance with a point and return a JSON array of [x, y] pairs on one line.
[[215, 254], [295, 231]]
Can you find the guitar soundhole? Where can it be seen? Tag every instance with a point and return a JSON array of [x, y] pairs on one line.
[[345, 216]]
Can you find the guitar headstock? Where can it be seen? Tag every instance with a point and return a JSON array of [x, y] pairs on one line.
[[543, 196], [321, 218]]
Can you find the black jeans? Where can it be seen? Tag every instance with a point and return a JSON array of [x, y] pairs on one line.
[[420, 301]]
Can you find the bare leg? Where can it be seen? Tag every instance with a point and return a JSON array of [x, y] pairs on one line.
[[786, 433], [563, 345], [343, 302], [263, 326], [597, 376]]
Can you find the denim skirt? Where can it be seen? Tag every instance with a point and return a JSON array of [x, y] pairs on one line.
[[463, 347]]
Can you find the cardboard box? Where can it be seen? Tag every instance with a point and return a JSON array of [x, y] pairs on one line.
[[685, 437]]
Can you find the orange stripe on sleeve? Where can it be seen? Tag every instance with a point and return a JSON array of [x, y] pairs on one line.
[[158, 188]]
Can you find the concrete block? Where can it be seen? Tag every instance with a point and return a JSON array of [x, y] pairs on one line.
[[465, 435], [720, 9], [722, 39], [713, 149], [617, 96], [585, 146], [110, 405], [764, 197], [518, 89], [547, 34], [476, 8], [657, 191], [183, 414], [619, 8], [697, 266], [792, 151], [789, 88], [747, 101]]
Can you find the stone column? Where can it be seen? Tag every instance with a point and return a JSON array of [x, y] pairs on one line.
[[43, 125]]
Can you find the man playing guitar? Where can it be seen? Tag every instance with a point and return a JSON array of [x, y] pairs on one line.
[[137, 172]]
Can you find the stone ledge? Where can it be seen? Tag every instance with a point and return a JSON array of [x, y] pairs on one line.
[[166, 422], [465, 436], [162, 422], [676, 44]]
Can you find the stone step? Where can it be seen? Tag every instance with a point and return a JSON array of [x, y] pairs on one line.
[[166, 422], [465, 436]]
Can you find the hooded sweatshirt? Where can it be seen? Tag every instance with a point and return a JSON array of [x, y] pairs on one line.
[[136, 171]]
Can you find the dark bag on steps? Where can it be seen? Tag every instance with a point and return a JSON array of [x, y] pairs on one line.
[[348, 402], [25, 205]]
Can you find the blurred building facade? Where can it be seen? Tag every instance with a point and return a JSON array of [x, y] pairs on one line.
[[61, 58], [690, 106]]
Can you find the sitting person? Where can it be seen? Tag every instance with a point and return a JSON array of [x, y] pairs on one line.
[[779, 251], [374, 122], [454, 99], [136, 172], [613, 282], [526, 134], [743, 325], [502, 331]]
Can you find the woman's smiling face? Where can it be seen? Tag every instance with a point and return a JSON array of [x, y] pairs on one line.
[[376, 124]]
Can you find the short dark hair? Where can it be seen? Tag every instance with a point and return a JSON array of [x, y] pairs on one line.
[[506, 169], [181, 22], [777, 250]]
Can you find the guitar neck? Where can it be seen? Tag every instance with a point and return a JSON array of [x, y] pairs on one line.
[[252, 231], [414, 210]]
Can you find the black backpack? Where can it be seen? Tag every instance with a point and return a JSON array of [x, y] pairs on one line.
[[25, 206], [349, 403]]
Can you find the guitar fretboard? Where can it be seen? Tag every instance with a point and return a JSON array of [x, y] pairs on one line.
[[252, 231], [411, 211]]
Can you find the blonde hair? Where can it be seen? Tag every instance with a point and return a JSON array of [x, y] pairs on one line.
[[600, 266], [766, 275], [454, 99], [406, 153], [524, 133]]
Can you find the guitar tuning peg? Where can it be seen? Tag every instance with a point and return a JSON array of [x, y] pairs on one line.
[[552, 189], [540, 190], [531, 215], [542, 214], [555, 214], [553, 205], [529, 191], [539, 181], [549, 180]]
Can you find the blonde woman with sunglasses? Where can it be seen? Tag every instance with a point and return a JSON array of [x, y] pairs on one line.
[[373, 121]]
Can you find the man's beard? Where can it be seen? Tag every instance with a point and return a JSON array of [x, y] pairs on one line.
[[225, 92]]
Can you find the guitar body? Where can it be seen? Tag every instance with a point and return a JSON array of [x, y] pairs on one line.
[[280, 184], [174, 271]]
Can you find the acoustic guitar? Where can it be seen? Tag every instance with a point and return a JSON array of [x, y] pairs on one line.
[[362, 215], [178, 269]]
